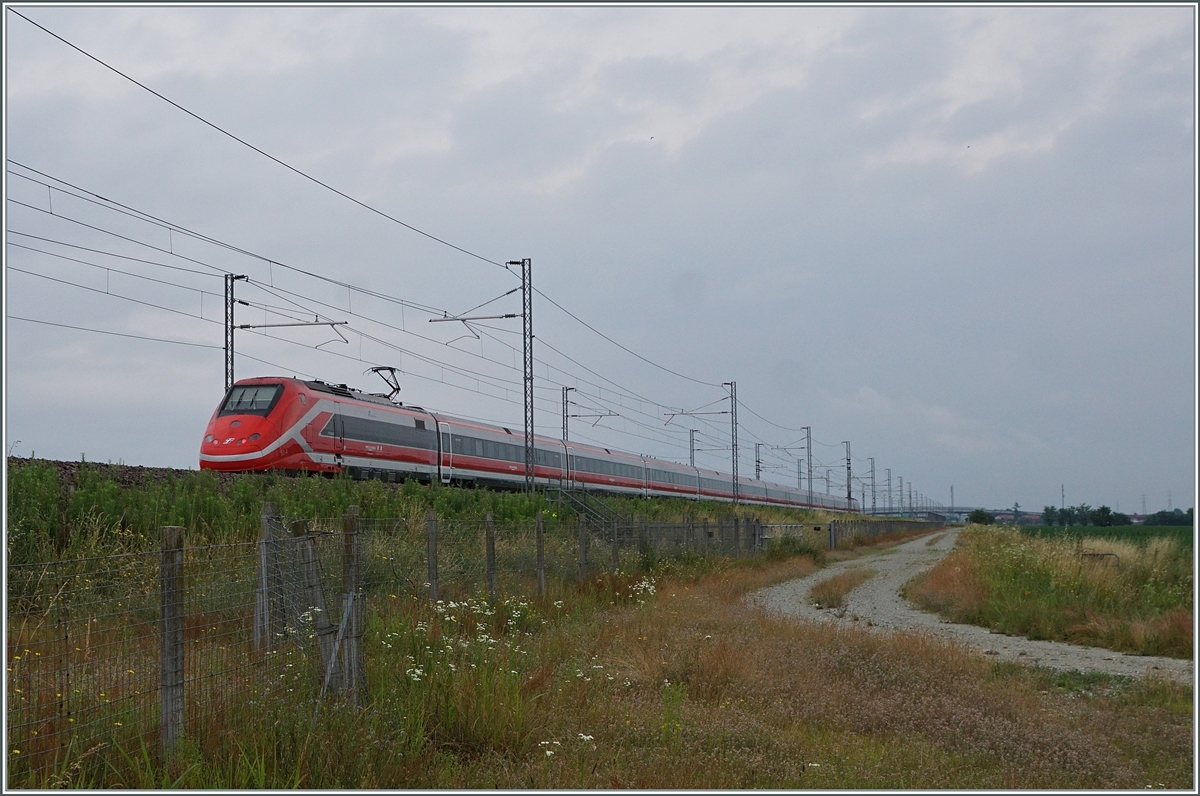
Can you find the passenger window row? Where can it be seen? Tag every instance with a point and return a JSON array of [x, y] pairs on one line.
[[367, 430], [672, 477], [601, 467], [489, 449]]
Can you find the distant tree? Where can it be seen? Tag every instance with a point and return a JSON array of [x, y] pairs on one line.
[[1102, 517], [1049, 515], [980, 517], [1175, 517], [1066, 515], [1083, 513], [1121, 519]]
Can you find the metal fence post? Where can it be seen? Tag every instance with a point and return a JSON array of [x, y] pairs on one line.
[[431, 552], [170, 685], [737, 538], [541, 556], [583, 548], [352, 645], [490, 552]]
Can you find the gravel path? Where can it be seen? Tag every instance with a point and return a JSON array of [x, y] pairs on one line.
[[878, 606]]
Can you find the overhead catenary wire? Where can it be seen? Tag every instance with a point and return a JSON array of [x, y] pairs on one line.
[[145, 337], [172, 226], [114, 254], [141, 215], [346, 196], [361, 290], [114, 334], [247, 144]]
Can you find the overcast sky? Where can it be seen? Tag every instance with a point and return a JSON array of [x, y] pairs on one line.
[[962, 239]]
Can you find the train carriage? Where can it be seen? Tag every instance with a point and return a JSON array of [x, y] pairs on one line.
[[295, 425]]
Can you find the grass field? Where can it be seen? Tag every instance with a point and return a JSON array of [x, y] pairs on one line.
[[98, 513], [668, 680], [1130, 596], [1134, 534], [658, 677]]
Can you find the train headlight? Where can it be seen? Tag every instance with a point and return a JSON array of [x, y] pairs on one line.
[[254, 436], [208, 438]]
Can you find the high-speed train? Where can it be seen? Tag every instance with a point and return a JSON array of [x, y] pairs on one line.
[[294, 425]]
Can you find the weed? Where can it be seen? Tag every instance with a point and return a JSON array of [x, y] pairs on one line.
[[1126, 597], [831, 592], [787, 546]]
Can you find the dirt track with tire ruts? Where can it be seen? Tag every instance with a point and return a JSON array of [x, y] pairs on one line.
[[877, 606]]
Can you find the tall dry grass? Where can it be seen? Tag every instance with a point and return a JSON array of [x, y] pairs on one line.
[[668, 679], [1102, 592], [831, 592]]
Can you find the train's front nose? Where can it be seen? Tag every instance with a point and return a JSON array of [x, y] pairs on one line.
[[241, 429]]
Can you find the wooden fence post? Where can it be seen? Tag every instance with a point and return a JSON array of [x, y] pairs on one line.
[[265, 623], [314, 596], [354, 680], [170, 686], [541, 556], [583, 548], [431, 552], [490, 553]]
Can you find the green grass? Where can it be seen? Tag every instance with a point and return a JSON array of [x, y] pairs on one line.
[[1135, 534], [647, 678], [50, 520], [1115, 594], [664, 679]]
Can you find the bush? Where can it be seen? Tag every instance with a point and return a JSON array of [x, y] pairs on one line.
[[789, 546], [1175, 517], [980, 517]]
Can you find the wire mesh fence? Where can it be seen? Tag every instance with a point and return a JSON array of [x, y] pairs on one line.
[[82, 655], [142, 649]]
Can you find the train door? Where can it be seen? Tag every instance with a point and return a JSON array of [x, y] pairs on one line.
[[447, 450], [327, 438]]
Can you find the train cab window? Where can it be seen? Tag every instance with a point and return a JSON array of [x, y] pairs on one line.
[[253, 399]]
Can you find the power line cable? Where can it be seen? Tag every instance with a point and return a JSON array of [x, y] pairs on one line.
[[114, 270], [113, 254], [114, 334], [141, 215], [247, 144], [170, 225], [618, 345], [114, 295]]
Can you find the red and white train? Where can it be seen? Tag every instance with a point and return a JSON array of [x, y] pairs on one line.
[[294, 425]]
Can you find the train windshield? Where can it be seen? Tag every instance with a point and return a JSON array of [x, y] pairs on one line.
[[253, 399]]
